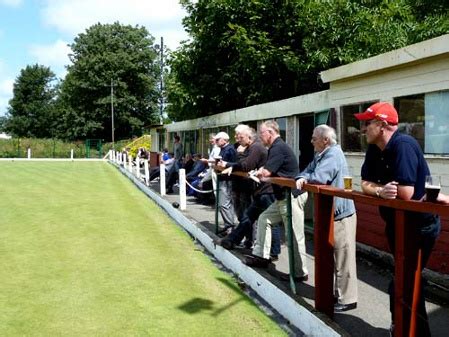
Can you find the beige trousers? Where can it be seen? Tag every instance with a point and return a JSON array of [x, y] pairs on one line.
[[345, 269], [272, 216]]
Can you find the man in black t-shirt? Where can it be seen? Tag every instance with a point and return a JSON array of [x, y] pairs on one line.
[[281, 162]]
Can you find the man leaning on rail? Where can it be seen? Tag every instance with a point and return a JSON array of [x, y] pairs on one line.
[[281, 162], [329, 167], [395, 167], [262, 193]]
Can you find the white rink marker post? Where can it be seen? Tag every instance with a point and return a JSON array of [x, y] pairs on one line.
[[147, 172], [162, 179], [29, 153], [138, 167], [182, 189], [71, 154], [130, 164]]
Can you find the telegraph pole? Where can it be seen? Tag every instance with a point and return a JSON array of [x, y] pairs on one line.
[[162, 80], [112, 112]]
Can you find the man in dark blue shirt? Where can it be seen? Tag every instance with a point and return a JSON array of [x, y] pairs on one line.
[[225, 202], [395, 167]]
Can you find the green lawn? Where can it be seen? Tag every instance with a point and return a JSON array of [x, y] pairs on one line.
[[84, 253]]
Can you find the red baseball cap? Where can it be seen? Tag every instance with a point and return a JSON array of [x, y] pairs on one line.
[[382, 111]]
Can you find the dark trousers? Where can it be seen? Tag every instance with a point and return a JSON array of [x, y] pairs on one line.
[[425, 243], [250, 215]]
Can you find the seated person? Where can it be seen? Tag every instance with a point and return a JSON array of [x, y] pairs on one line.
[[169, 164], [188, 163]]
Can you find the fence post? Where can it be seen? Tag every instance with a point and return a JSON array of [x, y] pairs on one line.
[[71, 154], [182, 189], [137, 167], [291, 252], [130, 164], [407, 277], [217, 197], [162, 179], [324, 253], [29, 153], [147, 172]]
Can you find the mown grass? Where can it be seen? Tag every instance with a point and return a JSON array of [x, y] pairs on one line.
[[84, 253]]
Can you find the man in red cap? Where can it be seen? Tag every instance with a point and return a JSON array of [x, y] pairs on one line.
[[395, 167]]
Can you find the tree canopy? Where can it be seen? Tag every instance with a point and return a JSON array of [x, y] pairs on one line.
[[31, 111], [248, 52], [106, 56]]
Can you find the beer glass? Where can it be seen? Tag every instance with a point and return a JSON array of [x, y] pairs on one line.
[[347, 180], [433, 186]]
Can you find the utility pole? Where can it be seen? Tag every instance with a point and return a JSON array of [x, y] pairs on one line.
[[162, 80], [112, 112]]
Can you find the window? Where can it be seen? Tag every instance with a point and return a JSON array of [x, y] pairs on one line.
[[282, 122], [411, 116], [352, 139], [436, 128]]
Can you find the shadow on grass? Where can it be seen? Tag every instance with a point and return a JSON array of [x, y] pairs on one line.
[[197, 305]]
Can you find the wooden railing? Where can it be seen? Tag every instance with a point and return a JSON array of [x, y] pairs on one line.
[[407, 255]]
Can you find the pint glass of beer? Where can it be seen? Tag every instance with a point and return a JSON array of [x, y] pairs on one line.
[[348, 183], [433, 186]]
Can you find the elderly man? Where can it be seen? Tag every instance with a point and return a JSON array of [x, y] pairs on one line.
[[225, 202], [395, 167], [262, 194], [281, 162], [329, 167]]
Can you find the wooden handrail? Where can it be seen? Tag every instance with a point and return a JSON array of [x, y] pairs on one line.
[[407, 253]]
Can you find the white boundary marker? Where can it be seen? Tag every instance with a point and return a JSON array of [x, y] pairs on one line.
[[296, 314]]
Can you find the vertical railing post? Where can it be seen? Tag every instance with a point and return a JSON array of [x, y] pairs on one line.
[[217, 203], [324, 253], [162, 179], [29, 153], [130, 164], [147, 172], [290, 244], [71, 154], [407, 277], [138, 167], [182, 189]]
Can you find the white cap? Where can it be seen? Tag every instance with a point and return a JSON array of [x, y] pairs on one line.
[[222, 135]]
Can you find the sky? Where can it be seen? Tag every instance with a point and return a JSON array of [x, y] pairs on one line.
[[38, 31]]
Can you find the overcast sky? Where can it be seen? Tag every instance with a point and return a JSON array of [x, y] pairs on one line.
[[38, 31]]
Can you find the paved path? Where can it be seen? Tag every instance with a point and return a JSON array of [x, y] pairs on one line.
[[372, 316]]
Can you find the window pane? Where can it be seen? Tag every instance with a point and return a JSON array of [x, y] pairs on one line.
[[411, 116], [282, 122], [437, 122]]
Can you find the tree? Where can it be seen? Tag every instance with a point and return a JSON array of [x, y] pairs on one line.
[[31, 111], [249, 52], [106, 56]]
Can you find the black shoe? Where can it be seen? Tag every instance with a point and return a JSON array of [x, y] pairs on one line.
[[274, 257], [286, 277], [344, 307], [256, 261], [227, 244]]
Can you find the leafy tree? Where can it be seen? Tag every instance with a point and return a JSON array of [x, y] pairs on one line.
[[2, 123], [249, 52], [31, 111], [105, 56]]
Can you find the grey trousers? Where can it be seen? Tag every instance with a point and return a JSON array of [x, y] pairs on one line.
[[345, 269], [225, 202], [273, 216]]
